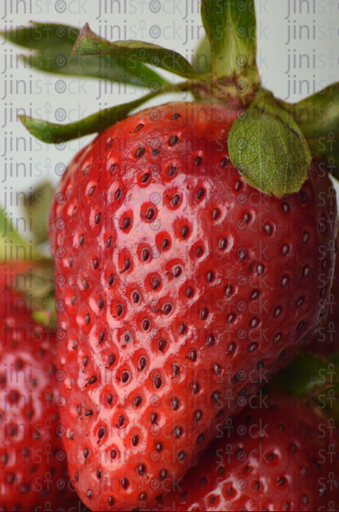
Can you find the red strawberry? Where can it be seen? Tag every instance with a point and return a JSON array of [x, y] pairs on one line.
[[178, 286], [326, 341], [281, 455], [32, 460]]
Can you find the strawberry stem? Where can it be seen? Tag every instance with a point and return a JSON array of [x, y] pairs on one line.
[[231, 29]]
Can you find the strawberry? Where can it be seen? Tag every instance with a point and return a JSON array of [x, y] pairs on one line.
[[33, 463], [180, 289], [278, 454], [326, 341]]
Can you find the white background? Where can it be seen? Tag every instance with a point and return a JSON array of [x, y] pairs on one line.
[[137, 17]]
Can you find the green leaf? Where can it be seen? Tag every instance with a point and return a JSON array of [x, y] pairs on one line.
[[334, 359], [12, 245], [36, 207], [268, 148], [31, 272], [36, 283], [318, 118], [326, 148], [317, 115], [202, 58], [231, 29], [46, 316], [312, 378], [54, 44], [307, 374], [89, 43], [52, 133], [40, 276], [39, 36]]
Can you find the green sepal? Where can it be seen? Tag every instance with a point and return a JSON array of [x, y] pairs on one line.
[[37, 285], [30, 273], [317, 115], [89, 43], [202, 58], [268, 148], [326, 148], [41, 279], [46, 317], [13, 246], [313, 379], [318, 118], [36, 207], [44, 305], [54, 43], [231, 29], [334, 359], [53, 133]]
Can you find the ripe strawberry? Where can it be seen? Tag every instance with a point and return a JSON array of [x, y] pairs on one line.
[[32, 460], [326, 341], [181, 290], [281, 455]]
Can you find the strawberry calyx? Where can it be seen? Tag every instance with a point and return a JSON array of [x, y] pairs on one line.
[[316, 116], [230, 78], [25, 265], [13, 246]]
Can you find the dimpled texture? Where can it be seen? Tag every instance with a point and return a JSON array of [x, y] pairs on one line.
[[175, 281], [278, 454], [33, 462]]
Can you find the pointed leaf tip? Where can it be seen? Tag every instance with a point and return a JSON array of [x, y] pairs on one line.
[[131, 51], [85, 36]]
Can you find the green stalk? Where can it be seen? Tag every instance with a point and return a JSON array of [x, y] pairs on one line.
[[231, 29]]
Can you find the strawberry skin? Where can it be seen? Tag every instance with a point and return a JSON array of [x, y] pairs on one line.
[[326, 340], [280, 456], [32, 459], [180, 290]]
